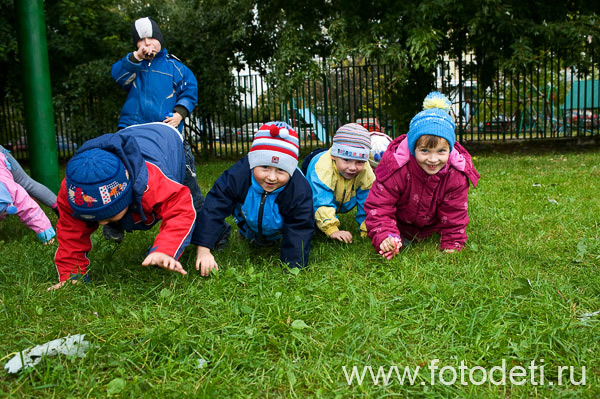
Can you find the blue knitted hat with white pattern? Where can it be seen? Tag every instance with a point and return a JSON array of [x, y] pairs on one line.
[[98, 185], [434, 120]]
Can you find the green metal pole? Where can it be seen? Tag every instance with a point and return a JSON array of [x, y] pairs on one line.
[[37, 94]]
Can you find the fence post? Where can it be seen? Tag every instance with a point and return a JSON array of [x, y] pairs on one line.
[[461, 112], [37, 95], [325, 104]]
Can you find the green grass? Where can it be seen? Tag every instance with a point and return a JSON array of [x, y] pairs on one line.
[[529, 270]]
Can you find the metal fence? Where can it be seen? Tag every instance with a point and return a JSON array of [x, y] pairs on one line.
[[541, 102], [533, 103], [349, 93]]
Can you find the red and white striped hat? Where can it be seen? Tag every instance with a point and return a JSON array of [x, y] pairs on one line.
[[275, 144]]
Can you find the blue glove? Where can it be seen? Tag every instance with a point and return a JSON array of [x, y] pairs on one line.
[[84, 277], [46, 235]]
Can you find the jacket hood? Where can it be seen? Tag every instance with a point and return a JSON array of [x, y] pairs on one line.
[[397, 155], [128, 151]]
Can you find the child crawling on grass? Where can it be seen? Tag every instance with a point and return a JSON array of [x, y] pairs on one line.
[[134, 178], [15, 200], [37, 191], [421, 184], [340, 179], [268, 196]]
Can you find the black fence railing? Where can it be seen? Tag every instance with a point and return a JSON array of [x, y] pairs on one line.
[[542, 102]]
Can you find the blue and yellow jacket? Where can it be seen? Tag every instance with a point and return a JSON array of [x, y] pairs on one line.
[[333, 194], [286, 212]]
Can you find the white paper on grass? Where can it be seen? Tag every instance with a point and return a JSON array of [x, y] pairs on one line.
[[202, 363], [70, 345], [587, 316]]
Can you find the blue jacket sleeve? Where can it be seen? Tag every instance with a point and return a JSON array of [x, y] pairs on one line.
[[186, 87], [123, 72], [361, 197], [229, 189], [324, 205]]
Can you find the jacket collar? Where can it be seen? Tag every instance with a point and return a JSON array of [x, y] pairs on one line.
[[397, 155]]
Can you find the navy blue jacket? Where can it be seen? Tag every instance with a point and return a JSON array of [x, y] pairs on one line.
[[294, 202], [157, 143]]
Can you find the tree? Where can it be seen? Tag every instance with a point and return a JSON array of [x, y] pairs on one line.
[[286, 40], [413, 35]]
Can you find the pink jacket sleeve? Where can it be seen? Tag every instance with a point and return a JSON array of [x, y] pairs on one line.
[[380, 208], [453, 214], [28, 210]]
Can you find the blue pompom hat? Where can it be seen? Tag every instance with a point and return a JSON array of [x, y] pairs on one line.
[[98, 185], [434, 120]]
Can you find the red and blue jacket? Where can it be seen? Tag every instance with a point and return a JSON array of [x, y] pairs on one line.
[[156, 164]]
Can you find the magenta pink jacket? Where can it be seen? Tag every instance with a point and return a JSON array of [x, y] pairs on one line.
[[407, 202], [28, 210]]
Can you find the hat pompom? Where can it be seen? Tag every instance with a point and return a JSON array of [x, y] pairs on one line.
[[284, 133], [11, 210], [435, 99], [273, 130]]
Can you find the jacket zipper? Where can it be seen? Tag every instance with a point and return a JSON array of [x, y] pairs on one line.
[[339, 208], [261, 211]]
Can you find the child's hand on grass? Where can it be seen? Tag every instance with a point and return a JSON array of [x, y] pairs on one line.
[[164, 261], [390, 247], [205, 261], [342, 235], [47, 236], [449, 250]]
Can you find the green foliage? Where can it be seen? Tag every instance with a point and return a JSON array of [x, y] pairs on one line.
[[207, 36], [286, 40], [518, 293]]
